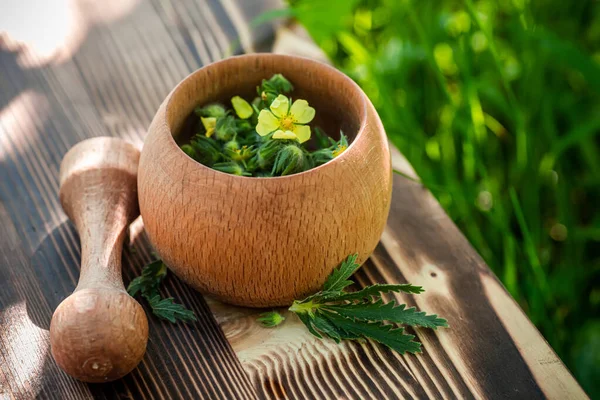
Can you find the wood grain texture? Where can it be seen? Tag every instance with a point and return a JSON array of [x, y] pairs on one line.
[[111, 82], [99, 333], [264, 242]]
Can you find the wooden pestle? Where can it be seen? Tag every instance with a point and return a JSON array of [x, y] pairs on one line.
[[99, 333]]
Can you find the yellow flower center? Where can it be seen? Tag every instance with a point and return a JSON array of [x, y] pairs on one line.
[[287, 123]]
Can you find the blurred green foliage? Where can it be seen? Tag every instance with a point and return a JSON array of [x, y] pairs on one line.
[[496, 104]]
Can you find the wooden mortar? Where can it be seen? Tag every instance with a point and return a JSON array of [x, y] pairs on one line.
[[99, 333], [264, 242]]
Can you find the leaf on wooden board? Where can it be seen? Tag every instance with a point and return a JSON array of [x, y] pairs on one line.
[[169, 310], [380, 311], [388, 335], [338, 280], [147, 283], [374, 291]]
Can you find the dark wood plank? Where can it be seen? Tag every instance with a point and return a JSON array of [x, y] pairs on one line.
[[108, 83]]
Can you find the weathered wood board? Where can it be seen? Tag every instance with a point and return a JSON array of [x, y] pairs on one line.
[[114, 63]]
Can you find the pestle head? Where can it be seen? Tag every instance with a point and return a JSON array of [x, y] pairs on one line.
[[98, 334]]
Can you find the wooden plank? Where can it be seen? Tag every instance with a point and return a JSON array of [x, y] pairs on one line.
[[110, 83], [119, 61]]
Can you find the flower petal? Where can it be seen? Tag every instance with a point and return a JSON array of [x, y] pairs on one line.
[[267, 123], [280, 106], [302, 132], [302, 112], [284, 135], [242, 108], [209, 124]]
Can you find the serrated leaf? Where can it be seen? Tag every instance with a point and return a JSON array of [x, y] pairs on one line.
[[328, 329], [307, 320], [388, 335], [380, 311], [344, 334], [359, 315], [147, 283], [338, 280], [169, 310], [374, 291]]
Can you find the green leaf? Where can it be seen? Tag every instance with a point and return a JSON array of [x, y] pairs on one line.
[[231, 167], [568, 54], [318, 15], [147, 283], [308, 320], [341, 315], [322, 139], [276, 85], [374, 291], [189, 150], [342, 333], [388, 335], [338, 280], [169, 310], [206, 149], [380, 311], [327, 328]]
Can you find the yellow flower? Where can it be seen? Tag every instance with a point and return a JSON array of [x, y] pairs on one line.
[[242, 108], [339, 150], [286, 122], [210, 124]]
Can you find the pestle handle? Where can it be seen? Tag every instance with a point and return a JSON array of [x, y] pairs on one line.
[[99, 333]]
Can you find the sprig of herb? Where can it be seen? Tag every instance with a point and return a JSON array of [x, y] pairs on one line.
[[341, 315], [148, 283]]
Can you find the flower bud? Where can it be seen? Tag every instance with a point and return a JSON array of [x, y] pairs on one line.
[[225, 129], [291, 159], [266, 154], [212, 110]]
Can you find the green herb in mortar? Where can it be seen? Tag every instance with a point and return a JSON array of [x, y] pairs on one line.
[[341, 315], [264, 137]]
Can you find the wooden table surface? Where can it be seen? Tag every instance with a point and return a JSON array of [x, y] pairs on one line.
[[103, 68]]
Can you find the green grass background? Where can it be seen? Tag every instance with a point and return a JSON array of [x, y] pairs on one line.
[[496, 104]]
